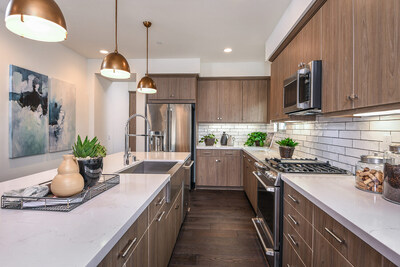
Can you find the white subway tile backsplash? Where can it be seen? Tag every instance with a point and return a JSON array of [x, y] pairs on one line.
[[385, 125], [331, 133], [356, 152], [370, 145], [374, 135], [350, 134], [363, 125]]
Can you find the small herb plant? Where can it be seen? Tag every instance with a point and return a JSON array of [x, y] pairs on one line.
[[287, 142], [256, 136], [88, 148], [208, 136]]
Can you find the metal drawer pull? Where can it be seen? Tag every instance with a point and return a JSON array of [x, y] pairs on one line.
[[160, 217], [160, 202], [249, 160], [217, 160], [292, 198], [293, 220], [189, 166], [268, 251], [177, 207], [291, 239], [334, 236], [130, 245]]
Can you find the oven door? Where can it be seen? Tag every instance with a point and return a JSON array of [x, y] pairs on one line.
[[267, 223], [290, 94], [304, 95]]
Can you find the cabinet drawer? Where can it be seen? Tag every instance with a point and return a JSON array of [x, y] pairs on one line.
[[124, 247], [230, 153], [298, 222], [290, 257], [208, 152], [157, 203], [298, 244], [299, 202]]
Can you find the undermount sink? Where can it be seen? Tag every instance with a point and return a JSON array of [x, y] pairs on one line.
[[151, 167]]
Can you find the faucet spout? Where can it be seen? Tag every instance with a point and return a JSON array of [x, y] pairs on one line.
[[127, 135]]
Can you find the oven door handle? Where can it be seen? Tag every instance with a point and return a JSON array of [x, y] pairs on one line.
[[268, 251], [268, 188]]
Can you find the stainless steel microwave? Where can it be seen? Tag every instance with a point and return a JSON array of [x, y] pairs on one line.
[[302, 91]]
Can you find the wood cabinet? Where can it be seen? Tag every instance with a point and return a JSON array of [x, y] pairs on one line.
[[279, 72], [313, 238], [174, 88], [218, 168], [376, 52], [140, 255], [250, 182], [232, 100], [158, 243], [255, 101]]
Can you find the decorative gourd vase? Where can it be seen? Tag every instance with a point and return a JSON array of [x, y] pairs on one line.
[[68, 181], [91, 170]]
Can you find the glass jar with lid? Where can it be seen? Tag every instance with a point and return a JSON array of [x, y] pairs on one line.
[[391, 185], [369, 173]]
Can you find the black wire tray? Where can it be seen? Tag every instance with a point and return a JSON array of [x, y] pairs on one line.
[[51, 203]]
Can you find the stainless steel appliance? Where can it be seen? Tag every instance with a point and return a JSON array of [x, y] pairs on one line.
[[302, 91], [156, 141], [269, 220], [175, 122]]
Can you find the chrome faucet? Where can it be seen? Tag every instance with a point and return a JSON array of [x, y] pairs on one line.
[[127, 153]]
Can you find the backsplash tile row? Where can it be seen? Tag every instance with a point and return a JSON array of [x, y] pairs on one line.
[[342, 141], [238, 130]]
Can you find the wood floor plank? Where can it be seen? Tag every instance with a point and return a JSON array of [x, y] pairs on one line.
[[218, 232]]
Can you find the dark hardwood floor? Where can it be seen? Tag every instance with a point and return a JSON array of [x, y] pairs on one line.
[[218, 232]]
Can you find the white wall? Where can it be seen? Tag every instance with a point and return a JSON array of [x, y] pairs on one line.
[[51, 59], [235, 69], [294, 12]]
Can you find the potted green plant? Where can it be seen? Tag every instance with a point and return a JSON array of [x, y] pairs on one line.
[[209, 140], [286, 147], [89, 155], [256, 138]]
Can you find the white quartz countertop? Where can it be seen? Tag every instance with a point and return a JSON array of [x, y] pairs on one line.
[[367, 215], [83, 236], [258, 153]]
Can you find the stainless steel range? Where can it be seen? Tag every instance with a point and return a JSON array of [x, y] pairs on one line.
[[268, 222]]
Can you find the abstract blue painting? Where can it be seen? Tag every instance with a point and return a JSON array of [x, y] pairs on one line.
[[61, 115], [28, 100]]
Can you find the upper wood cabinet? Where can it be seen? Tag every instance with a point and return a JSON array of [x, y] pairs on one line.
[[337, 55], [311, 39], [232, 100], [172, 88], [279, 72], [376, 52], [255, 100]]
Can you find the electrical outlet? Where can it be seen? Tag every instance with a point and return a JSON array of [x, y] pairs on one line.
[[387, 140]]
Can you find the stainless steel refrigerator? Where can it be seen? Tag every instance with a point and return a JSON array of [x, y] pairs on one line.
[[175, 123]]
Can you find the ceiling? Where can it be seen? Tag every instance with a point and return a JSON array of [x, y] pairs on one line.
[[181, 28]]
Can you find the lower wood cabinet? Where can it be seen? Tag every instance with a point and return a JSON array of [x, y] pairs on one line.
[[218, 168], [249, 180], [150, 241], [333, 244]]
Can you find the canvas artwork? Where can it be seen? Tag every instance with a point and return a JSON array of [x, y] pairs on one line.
[[61, 115], [28, 102]]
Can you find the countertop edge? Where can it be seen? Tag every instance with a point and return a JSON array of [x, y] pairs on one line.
[[111, 243], [370, 240]]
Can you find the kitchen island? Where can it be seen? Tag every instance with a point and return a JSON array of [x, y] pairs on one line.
[[83, 236]]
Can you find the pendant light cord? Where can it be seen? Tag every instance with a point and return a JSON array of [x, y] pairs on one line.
[[147, 51], [116, 25]]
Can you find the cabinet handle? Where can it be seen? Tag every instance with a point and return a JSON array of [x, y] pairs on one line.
[[292, 219], [229, 154], [217, 160], [160, 217], [177, 206], [172, 95], [128, 247], [249, 160], [352, 97], [291, 239], [334, 236], [160, 202], [292, 198]]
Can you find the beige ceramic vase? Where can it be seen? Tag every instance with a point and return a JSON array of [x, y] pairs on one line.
[[68, 181]]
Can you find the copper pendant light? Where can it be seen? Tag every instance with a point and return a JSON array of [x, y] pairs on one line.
[[40, 20], [115, 65], [146, 84]]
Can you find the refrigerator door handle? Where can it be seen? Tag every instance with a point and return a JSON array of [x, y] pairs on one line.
[[169, 115]]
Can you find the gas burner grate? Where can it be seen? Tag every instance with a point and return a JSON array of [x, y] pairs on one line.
[[304, 166]]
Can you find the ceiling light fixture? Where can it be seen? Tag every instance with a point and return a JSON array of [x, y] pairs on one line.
[[40, 20], [378, 113], [146, 84], [102, 51], [115, 65], [228, 50]]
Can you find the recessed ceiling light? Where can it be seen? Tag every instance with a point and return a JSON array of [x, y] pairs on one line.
[[228, 50], [102, 51]]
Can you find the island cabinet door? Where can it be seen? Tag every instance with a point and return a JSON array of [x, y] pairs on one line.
[[158, 242], [207, 170], [140, 255]]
